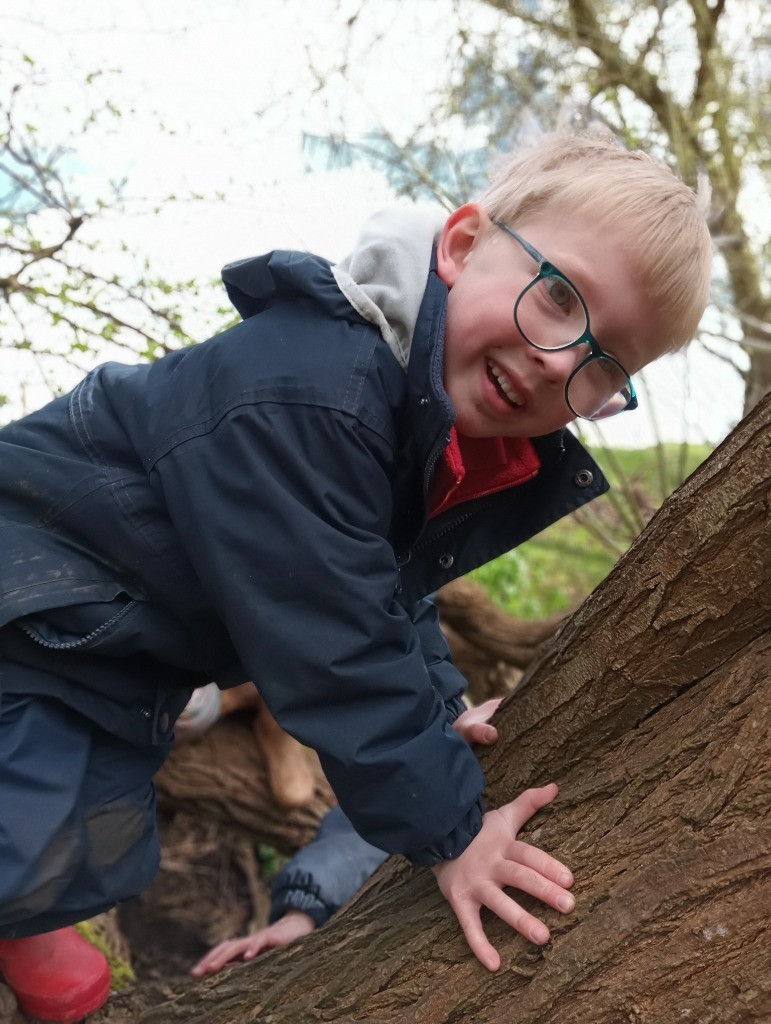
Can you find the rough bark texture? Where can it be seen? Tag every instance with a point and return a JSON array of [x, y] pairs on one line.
[[651, 709], [221, 777]]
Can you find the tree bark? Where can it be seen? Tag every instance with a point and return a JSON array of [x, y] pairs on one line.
[[651, 710], [222, 777]]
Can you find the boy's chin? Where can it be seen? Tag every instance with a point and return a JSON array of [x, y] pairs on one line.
[[476, 422]]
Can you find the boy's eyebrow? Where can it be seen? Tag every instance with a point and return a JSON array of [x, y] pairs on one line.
[[584, 278], [581, 275], [577, 271]]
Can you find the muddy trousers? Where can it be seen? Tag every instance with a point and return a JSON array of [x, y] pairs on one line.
[[77, 815]]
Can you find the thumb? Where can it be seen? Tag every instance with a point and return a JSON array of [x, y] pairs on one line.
[[481, 732], [526, 804]]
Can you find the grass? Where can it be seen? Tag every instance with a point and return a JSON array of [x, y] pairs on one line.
[[559, 567]]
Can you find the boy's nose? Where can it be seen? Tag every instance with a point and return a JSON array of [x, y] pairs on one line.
[[557, 364]]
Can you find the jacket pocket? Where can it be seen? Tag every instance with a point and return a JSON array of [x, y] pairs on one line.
[[106, 626]]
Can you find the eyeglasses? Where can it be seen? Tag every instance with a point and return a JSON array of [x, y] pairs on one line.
[[551, 309]]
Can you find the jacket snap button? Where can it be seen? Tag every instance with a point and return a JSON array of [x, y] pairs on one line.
[[445, 561], [146, 713], [583, 477], [424, 401]]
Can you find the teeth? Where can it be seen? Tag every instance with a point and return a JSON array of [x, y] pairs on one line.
[[503, 383]]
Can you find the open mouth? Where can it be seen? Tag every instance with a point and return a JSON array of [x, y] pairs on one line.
[[503, 385]]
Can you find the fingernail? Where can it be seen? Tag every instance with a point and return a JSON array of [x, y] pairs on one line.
[[566, 879], [566, 903], [490, 734], [540, 936]]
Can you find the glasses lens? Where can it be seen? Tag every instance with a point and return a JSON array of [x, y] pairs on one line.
[[550, 314], [599, 389]]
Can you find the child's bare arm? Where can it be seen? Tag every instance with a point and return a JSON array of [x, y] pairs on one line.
[[497, 860], [293, 925]]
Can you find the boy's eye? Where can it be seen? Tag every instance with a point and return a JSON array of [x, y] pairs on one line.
[[559, 292], [608, 368]]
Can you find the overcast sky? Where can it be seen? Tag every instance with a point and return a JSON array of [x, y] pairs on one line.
[[214, 97]]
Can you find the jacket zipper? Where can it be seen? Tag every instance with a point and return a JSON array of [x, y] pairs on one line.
[[81, 641]]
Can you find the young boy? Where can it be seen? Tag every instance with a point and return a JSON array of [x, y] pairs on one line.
[[276, 503]]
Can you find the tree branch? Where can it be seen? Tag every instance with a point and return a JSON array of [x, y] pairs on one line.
[[644, 85], [705, 22], [514, 10]]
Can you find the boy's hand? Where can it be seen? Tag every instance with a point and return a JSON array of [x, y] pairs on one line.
[[496, 859], [293, 925], [472, 724]]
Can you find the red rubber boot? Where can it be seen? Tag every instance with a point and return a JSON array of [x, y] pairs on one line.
[[57, 976]]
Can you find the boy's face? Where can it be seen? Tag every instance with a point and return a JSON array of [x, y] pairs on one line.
[[500, 385]]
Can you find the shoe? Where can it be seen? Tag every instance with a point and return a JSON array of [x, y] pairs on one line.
[[56, 976]]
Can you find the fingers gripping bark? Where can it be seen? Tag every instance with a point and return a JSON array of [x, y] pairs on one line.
[[473, 725], [496, 860]]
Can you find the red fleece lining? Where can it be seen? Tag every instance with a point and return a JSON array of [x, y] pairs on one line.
[[472, 467]]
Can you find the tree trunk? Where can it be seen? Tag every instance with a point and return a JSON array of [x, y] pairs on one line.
[[651, 710]]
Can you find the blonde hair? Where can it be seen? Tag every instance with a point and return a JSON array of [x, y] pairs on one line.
[[664, 219]]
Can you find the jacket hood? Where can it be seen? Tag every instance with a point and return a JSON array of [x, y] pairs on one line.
[[384, 277], [256, 283]]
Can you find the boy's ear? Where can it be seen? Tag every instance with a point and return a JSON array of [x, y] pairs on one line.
[[461, 233]]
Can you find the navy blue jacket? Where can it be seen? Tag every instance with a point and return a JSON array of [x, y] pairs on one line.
[[254, 507]]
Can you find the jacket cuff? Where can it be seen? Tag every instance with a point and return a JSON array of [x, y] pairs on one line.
[[455, 706], [298, 891], [454, 845]]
